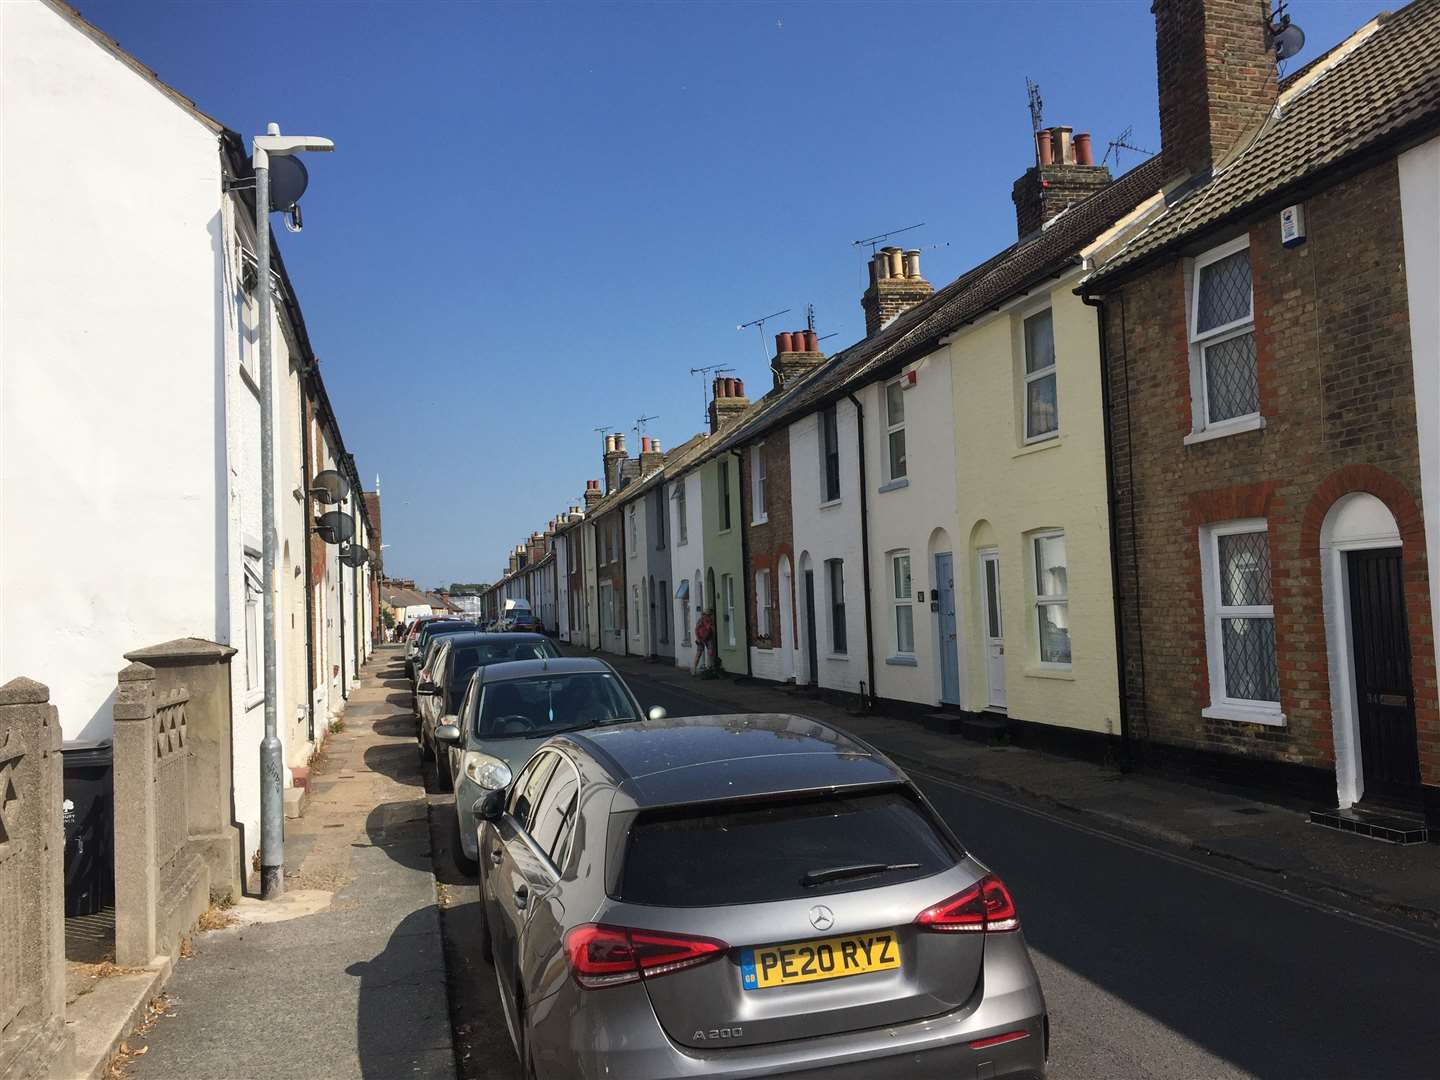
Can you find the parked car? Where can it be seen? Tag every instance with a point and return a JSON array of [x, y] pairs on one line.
[[522, 620], [440, 696], [510, 709], [419, 650], [746, 896]]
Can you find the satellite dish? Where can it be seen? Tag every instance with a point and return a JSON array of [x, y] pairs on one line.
[[1286, 38], [355, 556], [330, 487], [335, 527], [288, 181]]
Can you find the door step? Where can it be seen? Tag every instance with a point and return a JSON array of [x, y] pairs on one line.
[[1393, 827]]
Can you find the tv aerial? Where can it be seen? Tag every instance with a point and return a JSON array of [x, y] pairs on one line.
[[718, 369], [1286, 38], [640, 422], [879, 238], [1122, 142], [1037, 105], [760, 325]]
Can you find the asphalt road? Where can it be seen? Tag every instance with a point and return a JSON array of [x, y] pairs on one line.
[[1153, 965]]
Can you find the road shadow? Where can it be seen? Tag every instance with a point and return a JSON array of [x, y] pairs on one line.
[[402, 831], [396, 726], [398, 760], [403, 1018]]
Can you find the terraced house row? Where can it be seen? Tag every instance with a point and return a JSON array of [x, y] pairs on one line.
[[1152, 479]]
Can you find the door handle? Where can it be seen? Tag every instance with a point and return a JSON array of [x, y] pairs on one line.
[[522, 897], [495, 856]]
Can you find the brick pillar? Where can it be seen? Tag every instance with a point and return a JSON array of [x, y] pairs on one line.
[[33, 1039], [137, 879]]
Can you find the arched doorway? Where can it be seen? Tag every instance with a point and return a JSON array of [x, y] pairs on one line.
[[709, 589], [806, 622], [1372, 693], [786, 629]]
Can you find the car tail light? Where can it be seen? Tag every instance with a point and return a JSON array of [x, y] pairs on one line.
[[998, 1040], [602, 956], [985, 907]]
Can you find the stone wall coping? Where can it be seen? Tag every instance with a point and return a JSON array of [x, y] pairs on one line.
[[188, 648], [23, 691], [136, 672]]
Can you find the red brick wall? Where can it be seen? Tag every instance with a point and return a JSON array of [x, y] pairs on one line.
[[773, 539], [1337, 394]]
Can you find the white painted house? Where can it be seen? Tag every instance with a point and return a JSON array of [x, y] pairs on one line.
[[687, 559]]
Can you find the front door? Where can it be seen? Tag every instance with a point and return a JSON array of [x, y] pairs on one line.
[[1384, 693], [949, 637], [786, 630], [994, 629], [811, 652]]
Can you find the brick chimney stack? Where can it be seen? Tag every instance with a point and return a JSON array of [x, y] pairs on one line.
[[1065, 174], [1216, 69], [593, 494], [796, 353], [895, 287], [614, 457], [651, 456], [728, 403]]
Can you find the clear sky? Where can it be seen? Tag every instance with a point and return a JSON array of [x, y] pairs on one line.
[[540, 217]]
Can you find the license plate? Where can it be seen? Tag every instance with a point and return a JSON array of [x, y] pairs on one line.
[[811, 961]]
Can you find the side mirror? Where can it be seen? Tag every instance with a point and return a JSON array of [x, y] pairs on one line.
[[490, 806], [657, 712], [427, 687], [448, 731]]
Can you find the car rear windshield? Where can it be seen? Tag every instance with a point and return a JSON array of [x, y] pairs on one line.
[[467, 658], [545, 704], [747, 854]]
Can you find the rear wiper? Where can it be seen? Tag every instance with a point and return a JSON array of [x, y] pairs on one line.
[[840, 873]]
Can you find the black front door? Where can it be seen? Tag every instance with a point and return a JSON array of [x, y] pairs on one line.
[[1383, 690], [810, 650]]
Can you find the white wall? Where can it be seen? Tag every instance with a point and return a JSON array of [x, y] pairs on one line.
[[916, 514], [637, 577], [112, 452], [1420, 218], [687, 562], [828, 532]]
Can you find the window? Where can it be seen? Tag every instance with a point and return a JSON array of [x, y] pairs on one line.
[[895, 430], [253, 656], [835, 578], [682, 530], [555, 813], [1222, 336], [1042, 414], [634, 546], [762, 603], [903, 597], [536, 706], [635, 611], [1240, 622], [661, 513], [724, 495], [663, 613], [683, 595], [607, 606], [1052, 598], [829, 455], [530, 787], [727, 590], [758, 516]]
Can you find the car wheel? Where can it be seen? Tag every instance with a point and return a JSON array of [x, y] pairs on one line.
[[466, 865]]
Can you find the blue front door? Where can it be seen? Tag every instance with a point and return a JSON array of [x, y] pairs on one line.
[[949, 640]]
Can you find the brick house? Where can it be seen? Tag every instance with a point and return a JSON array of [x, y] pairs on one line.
[[1271, 355]]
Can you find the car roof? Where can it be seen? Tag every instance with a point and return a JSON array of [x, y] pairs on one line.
[[556, 665], [692, 759], [480, 637]]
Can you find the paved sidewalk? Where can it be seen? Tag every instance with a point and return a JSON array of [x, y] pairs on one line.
[[345, 976], [1272, 841]]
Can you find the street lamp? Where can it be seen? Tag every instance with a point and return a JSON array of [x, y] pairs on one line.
[[272, 809]]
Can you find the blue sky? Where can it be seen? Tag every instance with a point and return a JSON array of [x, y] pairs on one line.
[[540, 217]]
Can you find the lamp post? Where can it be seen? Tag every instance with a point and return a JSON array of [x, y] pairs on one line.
[[272, 809]]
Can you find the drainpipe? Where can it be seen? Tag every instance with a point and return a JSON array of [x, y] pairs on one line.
[[624, 591], [340, 594], [865, 543], [746, 583], [1111, 517], [309, 583]]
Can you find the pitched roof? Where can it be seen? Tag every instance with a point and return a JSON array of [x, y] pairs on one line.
[[1032, 259], [680, 457], [1379, 88]]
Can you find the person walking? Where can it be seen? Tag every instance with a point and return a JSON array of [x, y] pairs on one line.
[[704, 637]]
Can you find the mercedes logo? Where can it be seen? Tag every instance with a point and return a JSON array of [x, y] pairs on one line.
[[821, 917]]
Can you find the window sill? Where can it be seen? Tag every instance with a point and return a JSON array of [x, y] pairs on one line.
[[253, 699], [1047, 443], [895, 485], [1229, 427], [902, 661], [760, 520], [1064, 674], [725, 532], [837, 656], [1246, 714], [830, 504]]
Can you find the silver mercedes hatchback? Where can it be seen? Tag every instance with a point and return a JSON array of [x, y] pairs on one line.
[[746, 896]]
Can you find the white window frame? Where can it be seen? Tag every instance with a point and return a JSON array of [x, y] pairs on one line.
[[681, 532], [827, 499], [1035, 376], [1222, 706], [634, 543], [899, 601], [254, 644], [1039, 602], [831, 568], [1201, 425], [726, 519], [758, 514], [727, 592], [893, 426], [762, 603]]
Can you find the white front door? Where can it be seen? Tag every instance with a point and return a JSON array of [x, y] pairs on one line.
[[786, 630], [994, 629]]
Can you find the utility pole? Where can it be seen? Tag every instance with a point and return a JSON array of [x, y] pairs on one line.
[[272, 808]]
